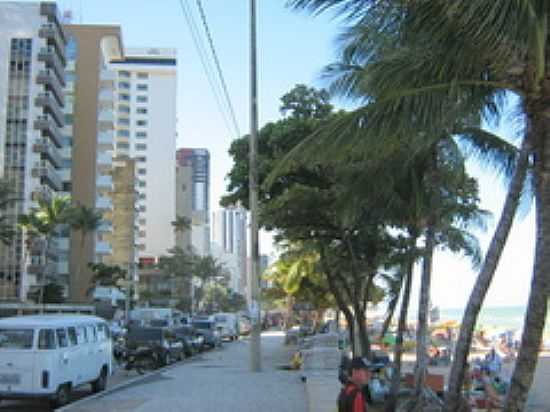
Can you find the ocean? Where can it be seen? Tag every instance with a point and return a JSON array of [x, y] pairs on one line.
[[505, 317]]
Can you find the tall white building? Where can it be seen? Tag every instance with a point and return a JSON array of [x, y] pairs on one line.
[[229, 243], [32, 66], [146, 87]]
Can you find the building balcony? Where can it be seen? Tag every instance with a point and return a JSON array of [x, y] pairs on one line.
[[107, 75], [54, 35], [48, 78], [106, 94], [105, 227], [103, 248], [49, 103], [104, 182], [48, 127], [49, 56], [48, 151], [104, 161], [105, 139], [42, 193], [106, 116], [104, 203], [47, 174]]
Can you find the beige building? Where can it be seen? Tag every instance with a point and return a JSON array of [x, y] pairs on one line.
[[123, 217], [91, 123]]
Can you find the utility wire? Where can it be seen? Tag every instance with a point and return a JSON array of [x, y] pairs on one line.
[[218, 67], [208, 71]]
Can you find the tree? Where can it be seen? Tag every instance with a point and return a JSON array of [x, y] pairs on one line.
[[43, 222], [84, 220], [106, 276], [446, 48], [304, 102], [53, 293]]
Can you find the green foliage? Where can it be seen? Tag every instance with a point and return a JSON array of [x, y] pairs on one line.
[[53, 293], [218, 298], [106, 275], [181, 224]]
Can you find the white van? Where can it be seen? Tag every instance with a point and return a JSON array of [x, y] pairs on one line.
[[228, 324], [46, 356]]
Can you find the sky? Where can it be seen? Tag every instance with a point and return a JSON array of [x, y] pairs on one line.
[[293, 48]]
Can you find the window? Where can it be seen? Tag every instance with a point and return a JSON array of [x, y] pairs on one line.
[[123, 133], [142, 183], [62, 338], [16, 338], [142, 196], [124, 73], [72, 336], [81, 335], [124, 97], [141, 135], [92, 337], [123, 85], [46, 339], [143, 75], [141, 158], [122, 145], [141, 146], [124, 109], [142, 234], [141, 123], [141, 110], [142, 208], [142, 99], [123, 121], [142, 221], [142, 87], [142, 172]]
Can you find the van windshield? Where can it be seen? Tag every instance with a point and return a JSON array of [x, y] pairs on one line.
[[16, 338], [202, 325]]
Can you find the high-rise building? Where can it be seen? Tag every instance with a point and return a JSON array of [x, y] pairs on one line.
[[32, 73], [229, 243], [91, 124], [199, 162], [145, 98]]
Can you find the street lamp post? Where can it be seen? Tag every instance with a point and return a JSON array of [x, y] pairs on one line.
[[255, 358]]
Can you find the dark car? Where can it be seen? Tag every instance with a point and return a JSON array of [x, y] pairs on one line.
[[192, 341], [207, 328], [161, 340]]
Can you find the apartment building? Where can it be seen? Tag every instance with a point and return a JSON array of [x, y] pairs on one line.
[[32, 76], [229, 243], [145, 99], [91, 125], [198, 160]]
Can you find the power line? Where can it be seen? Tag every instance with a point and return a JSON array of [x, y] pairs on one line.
[[187, 13], [218, 66]]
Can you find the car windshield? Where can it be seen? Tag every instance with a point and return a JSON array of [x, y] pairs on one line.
[[16, 338], [221, 318], [202, 325], [144, 335]]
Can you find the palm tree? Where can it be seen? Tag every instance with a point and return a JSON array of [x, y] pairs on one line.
[[84, 220], [43, 222], [510, 36], [105, 275], [180, 226]]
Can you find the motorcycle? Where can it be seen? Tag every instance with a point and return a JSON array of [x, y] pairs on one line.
[[143, 359]]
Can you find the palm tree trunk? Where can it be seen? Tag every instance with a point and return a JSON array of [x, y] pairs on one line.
[[364, 340], [44, 274], [485, 277], [391, 403], [392, 305], [423, 309], [535, 317]]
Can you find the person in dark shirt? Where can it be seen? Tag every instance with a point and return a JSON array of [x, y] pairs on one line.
[[351, 398]]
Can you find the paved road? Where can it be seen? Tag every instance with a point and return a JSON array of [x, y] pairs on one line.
[[218, 381]]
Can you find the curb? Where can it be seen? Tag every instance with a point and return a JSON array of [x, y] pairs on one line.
[[122, 385]]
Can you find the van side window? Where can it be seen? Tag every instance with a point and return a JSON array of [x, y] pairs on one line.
[[72, 336], [81, 335], [46, 339], [62, 338], [91, 333]]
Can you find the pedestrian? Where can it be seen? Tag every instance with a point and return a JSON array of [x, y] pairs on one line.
[[351, 398]]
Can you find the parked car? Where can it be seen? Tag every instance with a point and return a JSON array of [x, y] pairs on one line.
[[47, 356], [192, 341], [207, 328], [161, 340], [228, 324]]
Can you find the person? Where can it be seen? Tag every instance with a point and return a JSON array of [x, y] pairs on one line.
[[351, 398], [492, 399]]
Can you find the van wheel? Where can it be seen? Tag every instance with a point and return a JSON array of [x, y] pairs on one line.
[[62, 396], [100, 383]]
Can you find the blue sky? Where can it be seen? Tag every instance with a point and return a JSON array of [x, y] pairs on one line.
[[292, 49]]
